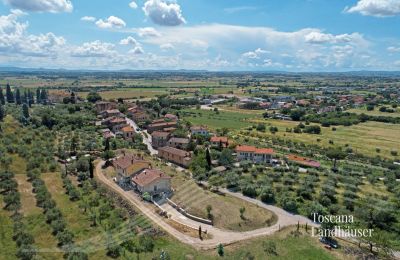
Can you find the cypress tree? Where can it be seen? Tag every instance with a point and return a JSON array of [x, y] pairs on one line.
[[43, 96], [38, 100], [2, 99], [31, 100], [9, 94], [18, 97], [2, 113], [25, 111], [208, 158], [25, 99]]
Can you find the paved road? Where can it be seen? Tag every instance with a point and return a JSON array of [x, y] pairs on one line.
[[146, 137], [219, 235]]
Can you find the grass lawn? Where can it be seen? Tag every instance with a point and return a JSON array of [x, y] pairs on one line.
[[8, 247], [363, 138], [375, 112], [195, 199], [211, 119]]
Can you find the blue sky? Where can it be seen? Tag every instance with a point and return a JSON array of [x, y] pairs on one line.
[[293, 35]]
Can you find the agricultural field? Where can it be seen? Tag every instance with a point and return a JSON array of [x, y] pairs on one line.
[[129, 93], [364, 138], [220, 119], [375, 112]]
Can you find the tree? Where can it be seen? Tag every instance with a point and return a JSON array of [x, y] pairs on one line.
[[2, 99], [146, 243], [2, 113], [242, 210], [208, 158], [65, 238], [220, 250], [208, 209], [43, 96], [267, 195], [26, 252], [297, 114], [270, 247], [9, 94], [18, 97], [91, 168], [226, 157], [335, 154], [38, 99], [25, 111], [93, 97]]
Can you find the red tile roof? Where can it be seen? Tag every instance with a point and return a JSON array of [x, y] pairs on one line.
[[148, 176], [127, 129], [160, 134], [252, 149], [303, 161], [218, 139]]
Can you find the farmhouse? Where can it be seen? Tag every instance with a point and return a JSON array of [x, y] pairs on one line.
[[159, 139], [256, 155], [175, 155], [140, 116], [110, 113], [128, 132], [103, 106], [152, 181], [128, 165], [180, 143], [199, 130], [219, 141], [160, 126], [303, 161]]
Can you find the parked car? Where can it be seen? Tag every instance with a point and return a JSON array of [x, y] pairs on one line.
[[329, 241]]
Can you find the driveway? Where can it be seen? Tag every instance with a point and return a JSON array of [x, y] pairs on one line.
[[146, 136], [218, 235]]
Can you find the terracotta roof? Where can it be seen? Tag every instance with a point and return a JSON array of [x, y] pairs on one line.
[[179, 140], [252, 149], [175, 151], [222, 139], [169, 129], [170, 116], [303, 160], [245, 148], [112, 111], [160, 134], [264, 151], [148, 176], [163, 124], [127, 129], [126, 161]]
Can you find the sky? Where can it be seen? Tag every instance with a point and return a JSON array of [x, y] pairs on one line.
[[216, 35]]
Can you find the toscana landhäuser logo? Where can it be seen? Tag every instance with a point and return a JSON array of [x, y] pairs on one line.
[[341, 226]]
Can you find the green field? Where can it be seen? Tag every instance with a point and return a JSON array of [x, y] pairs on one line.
[[363, 138], [375, 112], [213, 120]]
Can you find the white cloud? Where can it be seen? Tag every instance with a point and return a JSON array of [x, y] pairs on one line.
[[94, 49], [148, 32], [393, 49], [378, 8], [167, 47], [88, 18], [133, 5], [15, 41], [129, 41], [111, 22], [52, 6], [255, 54], [164, 13], [318, 37], [137, 50]]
